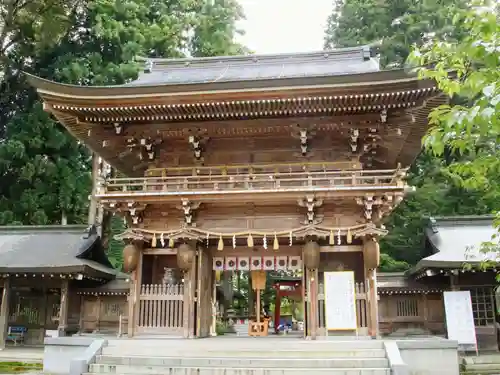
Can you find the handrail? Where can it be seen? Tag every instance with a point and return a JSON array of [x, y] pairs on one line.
[[224, 169], [253, 182], [346, 173]]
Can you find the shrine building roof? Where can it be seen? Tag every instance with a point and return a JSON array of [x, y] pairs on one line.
[[222, 97], [257, 67], [53, 249], [457, 241]]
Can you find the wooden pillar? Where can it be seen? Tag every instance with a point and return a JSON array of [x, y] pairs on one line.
[[189, 301], [454, 284], [371, 258], [81, 321], [425, 303], [63, 308], [186, 261], [136, 297], [372, 303], [131, 303], [277, 309], [313, 302], [4, 312], [311, 254], [92, 216], [213, 329]]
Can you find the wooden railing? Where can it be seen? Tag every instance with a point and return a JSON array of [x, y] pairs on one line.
[[239, 169], [261, 182], [361, 308], [161, 309]]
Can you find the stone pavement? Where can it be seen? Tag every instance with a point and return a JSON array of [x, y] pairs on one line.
[[24, 354]]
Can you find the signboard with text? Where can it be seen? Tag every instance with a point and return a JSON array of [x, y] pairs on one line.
[[340, 301], [460, 319]]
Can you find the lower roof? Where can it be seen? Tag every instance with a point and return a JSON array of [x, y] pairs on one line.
[[53, 249], [457, 241]]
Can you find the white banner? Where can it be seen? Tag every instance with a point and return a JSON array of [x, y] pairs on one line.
[[340, 301], [460, 319]]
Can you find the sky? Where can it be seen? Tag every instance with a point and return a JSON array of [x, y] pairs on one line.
[[284, 26]]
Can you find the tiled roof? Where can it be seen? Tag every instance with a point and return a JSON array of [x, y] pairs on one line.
[[52, 249], [257, 67]]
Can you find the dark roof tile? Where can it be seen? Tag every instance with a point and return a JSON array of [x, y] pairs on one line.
[[257, 67], [48, 249]]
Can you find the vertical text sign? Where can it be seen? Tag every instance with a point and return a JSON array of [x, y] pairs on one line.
[[340, 301], [460, 319]]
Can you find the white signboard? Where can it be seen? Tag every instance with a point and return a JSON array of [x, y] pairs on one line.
[[340, 301], [460, 319]]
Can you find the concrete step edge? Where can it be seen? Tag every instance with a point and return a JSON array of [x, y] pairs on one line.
[[334, 359], [287, 370]]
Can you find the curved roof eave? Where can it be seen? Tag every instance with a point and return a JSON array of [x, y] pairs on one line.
[[345, 82]]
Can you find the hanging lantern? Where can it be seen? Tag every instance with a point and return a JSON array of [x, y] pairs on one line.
[[371, 253], [185, 256], [130, 257], [311, 255]]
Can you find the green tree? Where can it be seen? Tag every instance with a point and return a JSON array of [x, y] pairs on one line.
[[393, 25], [44, 171], [469, 73], [396, 26]]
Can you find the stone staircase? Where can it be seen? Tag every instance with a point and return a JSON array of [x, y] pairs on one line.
[[481, 365], [242, 356]]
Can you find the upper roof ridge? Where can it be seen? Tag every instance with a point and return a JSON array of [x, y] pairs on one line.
[[361, 53]]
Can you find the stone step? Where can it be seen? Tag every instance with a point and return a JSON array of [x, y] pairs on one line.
[[263, 371], [152, 346], [483, 368], [483, 359], [252, 353], [155, 365]]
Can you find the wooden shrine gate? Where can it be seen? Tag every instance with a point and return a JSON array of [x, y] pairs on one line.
[[161, 309]]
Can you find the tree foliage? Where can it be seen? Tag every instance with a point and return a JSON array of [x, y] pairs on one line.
[[398, 26], [469, 73], [44, 171], [393, 25]]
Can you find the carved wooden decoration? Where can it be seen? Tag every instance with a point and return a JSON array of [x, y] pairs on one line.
[[304, 134], [353, 140], [310, 202], [188, 208], [198, 145], [146, 147]]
